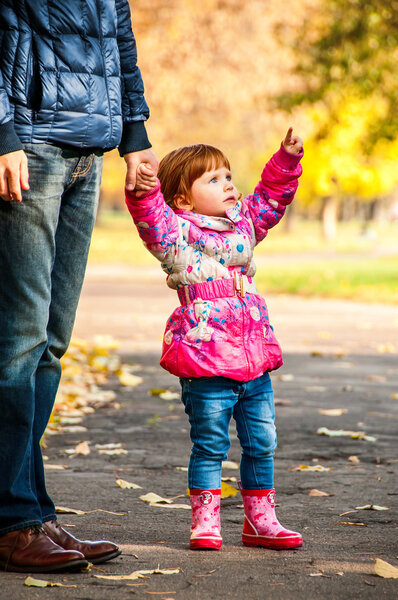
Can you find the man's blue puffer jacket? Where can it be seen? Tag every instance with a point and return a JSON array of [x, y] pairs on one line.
[[69, 75]]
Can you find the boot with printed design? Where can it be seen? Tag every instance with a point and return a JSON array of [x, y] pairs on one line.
[[261, 527], [205, 530]]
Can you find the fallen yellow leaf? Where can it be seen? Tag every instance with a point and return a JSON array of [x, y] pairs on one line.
[[332, 412], [286, 377], [126, 485], [314, 468], [31, 582], [354, 459], [82, 448], [318, 493], [167, 395], [157, 391], [371, 507], [75, 511], [355, 435], [384, 569], [115, 452], [227, 491], [129, 380], [160, 505], [152, 497], [139, 574], [229, 464]]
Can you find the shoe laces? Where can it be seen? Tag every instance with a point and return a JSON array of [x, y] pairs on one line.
[[35, 529]]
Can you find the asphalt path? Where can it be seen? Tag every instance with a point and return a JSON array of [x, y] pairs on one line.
[[338, 355]]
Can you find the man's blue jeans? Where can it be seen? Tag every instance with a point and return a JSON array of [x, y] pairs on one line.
[[44, 242], [210, 402]]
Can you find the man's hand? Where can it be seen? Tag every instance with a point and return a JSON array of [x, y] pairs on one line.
[[133, 159], [292, 143], [14, 176]]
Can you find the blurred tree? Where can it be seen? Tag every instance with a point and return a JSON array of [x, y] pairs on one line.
[[345, 77], [209, 70], [347, 44]]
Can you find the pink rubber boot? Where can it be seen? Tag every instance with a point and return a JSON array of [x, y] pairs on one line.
[[205, 530], [261, 527]]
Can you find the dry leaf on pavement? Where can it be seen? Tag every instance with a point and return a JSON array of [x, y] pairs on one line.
[[168, 395], [355, 435], [384, 569], [115, 452], [354, 459], [286, 377], [160, 505], [139, 574], [332, 412], [227, 491], [314, 468], [31, 582], [318, 493], [152, 497], [229, 464], [128, 379], [64, 510], [127, 485], [371, 507]]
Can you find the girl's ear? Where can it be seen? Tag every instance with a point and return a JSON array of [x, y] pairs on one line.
[[182, 202]]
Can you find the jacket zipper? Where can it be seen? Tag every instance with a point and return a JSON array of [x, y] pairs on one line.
[[243, 336], [97, 3]]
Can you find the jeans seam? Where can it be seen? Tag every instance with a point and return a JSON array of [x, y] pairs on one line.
[[244, 419], [49, 517]]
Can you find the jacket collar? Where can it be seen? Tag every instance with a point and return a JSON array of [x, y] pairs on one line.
[[226, 223]]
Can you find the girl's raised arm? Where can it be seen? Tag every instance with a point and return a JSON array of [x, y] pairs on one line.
[[277, 186]]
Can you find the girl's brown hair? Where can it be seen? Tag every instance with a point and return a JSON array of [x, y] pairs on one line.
[[181, 167]]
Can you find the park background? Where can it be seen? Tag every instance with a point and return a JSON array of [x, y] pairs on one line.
[[236, 75]]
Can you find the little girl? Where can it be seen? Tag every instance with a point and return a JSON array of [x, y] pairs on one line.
[[219, 341]]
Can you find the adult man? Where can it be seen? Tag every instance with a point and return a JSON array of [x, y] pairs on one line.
[[69, 90]]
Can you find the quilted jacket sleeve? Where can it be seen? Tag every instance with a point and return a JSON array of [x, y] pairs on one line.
[[134, 107], [156, 222], [275, 190], [9, 141]]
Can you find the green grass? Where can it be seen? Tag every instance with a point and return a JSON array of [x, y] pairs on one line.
[[372, 280], [355, 266]]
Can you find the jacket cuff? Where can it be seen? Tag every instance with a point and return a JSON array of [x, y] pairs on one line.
[[134, 138], [287, 160], [9, 141], [132, 195]]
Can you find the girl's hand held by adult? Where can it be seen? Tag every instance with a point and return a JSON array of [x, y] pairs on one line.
[[145, 179], [292, 143]]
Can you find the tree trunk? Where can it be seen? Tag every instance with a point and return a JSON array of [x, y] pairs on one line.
[[329, 218], [289, 219]]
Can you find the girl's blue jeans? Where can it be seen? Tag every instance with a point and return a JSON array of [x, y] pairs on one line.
[[210, 402], [44, 243]]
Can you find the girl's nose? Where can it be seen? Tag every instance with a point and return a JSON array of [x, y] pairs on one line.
[[229, 185]]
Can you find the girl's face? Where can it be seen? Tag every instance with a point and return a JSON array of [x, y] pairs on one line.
[[213, 193]]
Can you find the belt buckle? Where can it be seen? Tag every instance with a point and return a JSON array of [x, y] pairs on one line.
[[239, 285], [242, 286]]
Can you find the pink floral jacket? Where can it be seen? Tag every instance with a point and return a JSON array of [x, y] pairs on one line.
[[219, 329]]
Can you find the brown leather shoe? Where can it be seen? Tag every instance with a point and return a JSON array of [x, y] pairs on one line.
[[95, 552], [30, 550]]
